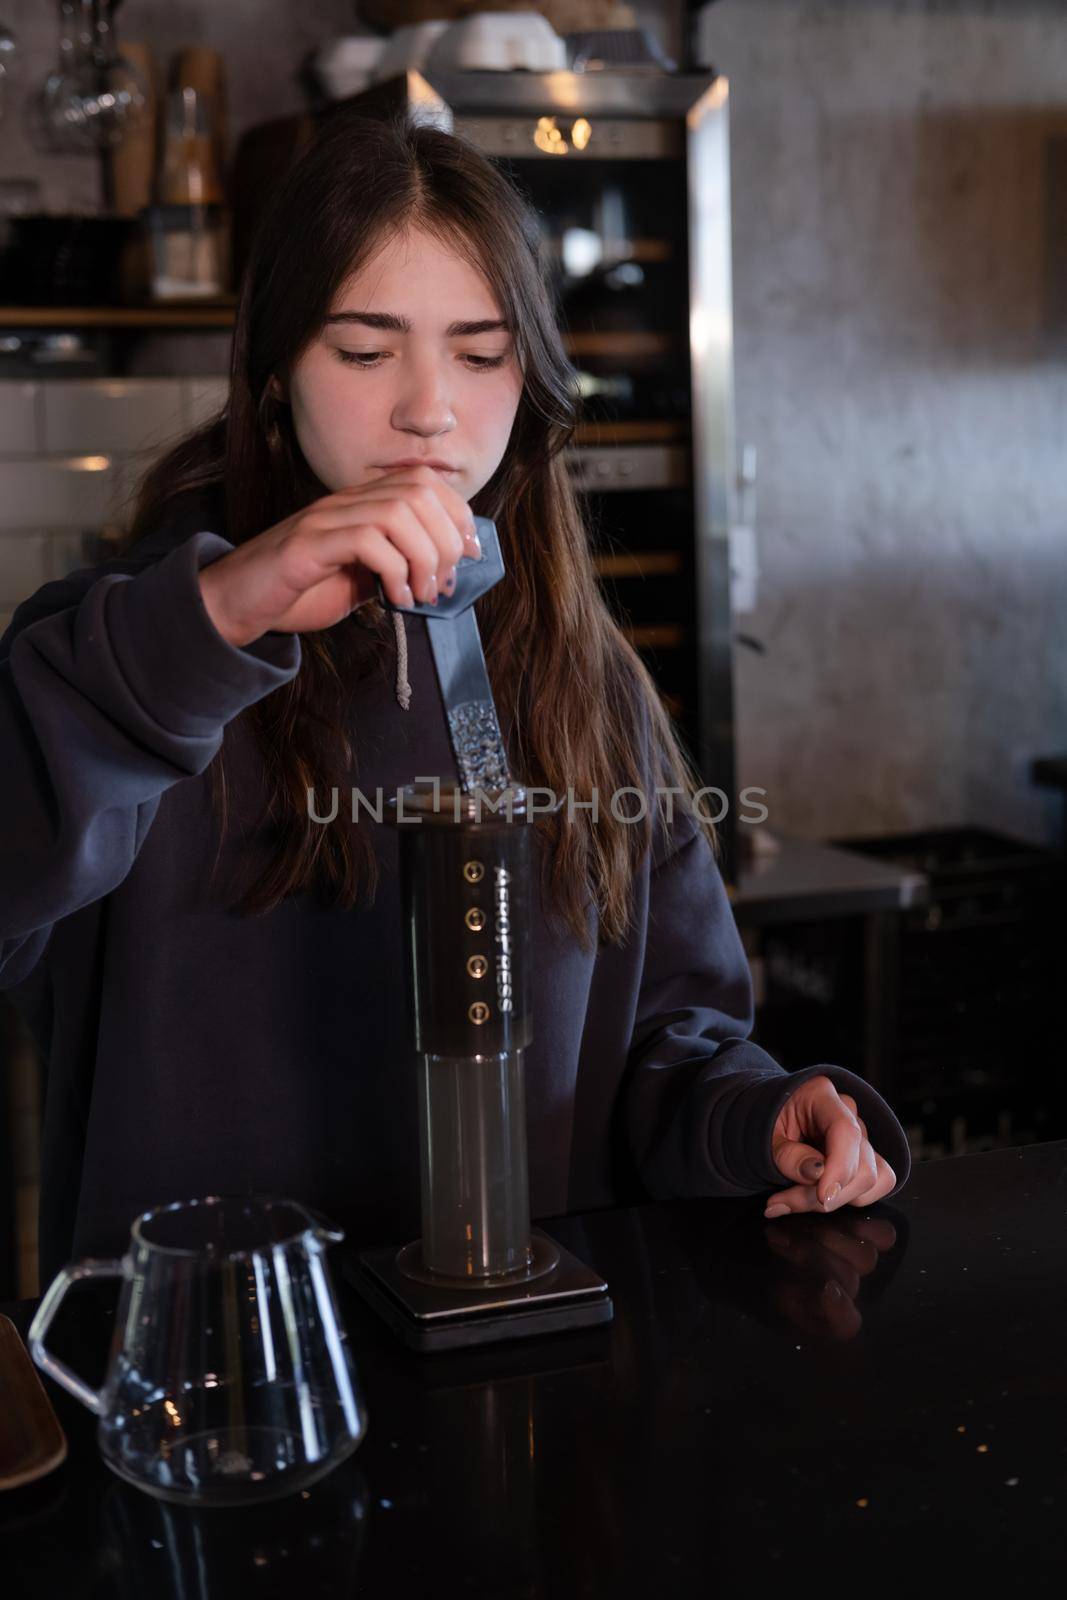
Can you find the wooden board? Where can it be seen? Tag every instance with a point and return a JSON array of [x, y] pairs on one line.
[[31, 1439]]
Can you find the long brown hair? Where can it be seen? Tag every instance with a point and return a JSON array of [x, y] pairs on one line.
[[577, 705]]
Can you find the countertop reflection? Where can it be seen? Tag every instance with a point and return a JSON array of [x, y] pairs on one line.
[[860, 1401]]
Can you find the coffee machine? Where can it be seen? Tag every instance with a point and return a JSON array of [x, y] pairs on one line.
[[478, 1273]]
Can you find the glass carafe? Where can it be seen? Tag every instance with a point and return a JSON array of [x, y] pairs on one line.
[[230, 1377]]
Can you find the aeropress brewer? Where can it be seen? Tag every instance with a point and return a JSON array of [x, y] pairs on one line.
[[479, 1273]]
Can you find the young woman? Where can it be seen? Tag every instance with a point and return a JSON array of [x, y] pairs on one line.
[[215, 979]]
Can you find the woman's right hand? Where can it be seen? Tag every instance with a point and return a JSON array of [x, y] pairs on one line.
[[408, 527]]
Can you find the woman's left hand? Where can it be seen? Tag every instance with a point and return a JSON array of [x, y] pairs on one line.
[[820, 1143]]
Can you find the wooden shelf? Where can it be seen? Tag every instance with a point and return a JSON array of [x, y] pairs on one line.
[[635, 250], [656, 636], [656, 430], [637, 343], [221, 313], [639, 564], [190, 314]]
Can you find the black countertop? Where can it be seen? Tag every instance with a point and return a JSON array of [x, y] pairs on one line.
[[806, 879], [735, 1431]]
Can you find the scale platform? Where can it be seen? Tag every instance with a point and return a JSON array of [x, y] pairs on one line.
[[431, 1316]]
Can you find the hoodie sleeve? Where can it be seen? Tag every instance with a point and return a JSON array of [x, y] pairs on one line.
[[701, 1098], [106, 700]]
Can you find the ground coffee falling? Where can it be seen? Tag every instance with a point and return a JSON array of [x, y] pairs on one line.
[[478, 746]]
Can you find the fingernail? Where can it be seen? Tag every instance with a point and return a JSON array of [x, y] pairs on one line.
[[811, 1169], [833, 1290], [474, 542], [450, 581], [831, 1195], [406, 596], [776, 1211], [429, 593]]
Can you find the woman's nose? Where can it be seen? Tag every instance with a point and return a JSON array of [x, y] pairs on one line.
[[424, 402]]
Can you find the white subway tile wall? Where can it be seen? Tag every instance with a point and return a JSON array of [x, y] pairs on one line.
[[202, 398], [110, 414], [46, 492], [25, 567], [66, 553], [71, 452], [20, 426]]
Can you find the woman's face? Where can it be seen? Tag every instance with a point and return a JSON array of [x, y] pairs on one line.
[[389, 378]]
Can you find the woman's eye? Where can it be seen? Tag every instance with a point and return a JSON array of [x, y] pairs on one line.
[[371, 358]]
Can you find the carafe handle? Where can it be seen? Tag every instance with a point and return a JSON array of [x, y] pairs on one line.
[[45, 1315]]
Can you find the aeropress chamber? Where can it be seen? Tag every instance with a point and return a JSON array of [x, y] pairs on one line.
[[478, 1273]]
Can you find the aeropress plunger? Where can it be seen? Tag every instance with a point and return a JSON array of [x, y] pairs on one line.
[[479, 1273]]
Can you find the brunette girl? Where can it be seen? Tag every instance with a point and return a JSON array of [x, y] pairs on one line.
[[214, 978]]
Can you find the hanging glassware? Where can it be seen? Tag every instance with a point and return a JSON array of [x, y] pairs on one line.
[[94, 94], [9, 51]]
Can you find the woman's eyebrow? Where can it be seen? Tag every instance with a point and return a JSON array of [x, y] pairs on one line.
[[389, 322]]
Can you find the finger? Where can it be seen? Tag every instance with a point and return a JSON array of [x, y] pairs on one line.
[[446, 543], [458, 516], [800, 1197], [854, 1108], [797, 1160], [843, 1143], [875, 1178], [441, 527], [450, 528], [811, 1197], [379, 553], [358, 536], [407, 528], [864, 1181], [447, 492], [885, 1181]]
